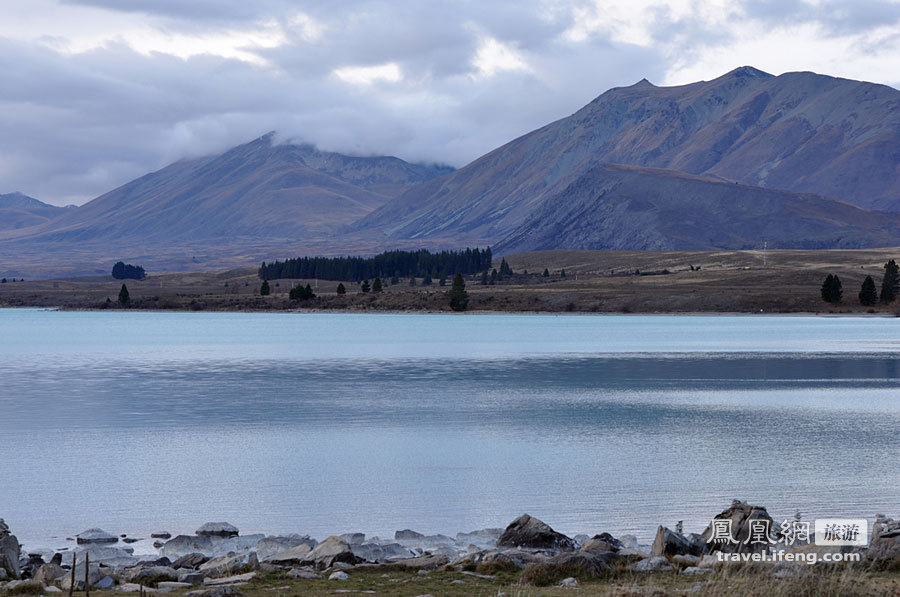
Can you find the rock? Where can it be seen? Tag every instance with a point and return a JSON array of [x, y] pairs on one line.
[[569, 582], [174, 585], [190, 576], [302, 574], [482, 539], [354, 538], [372, 552], [652, 564], [407, 535], [885, 543], [696, 571], [429, 562], [191, 560], [150, 575], [601, 544], [333, 549], [290, 557], [183, 545], [527, 531], [670, 543], [3, 574], [230, 565], [9, 551], [270, 546], [106, 582], [52, 589], [686, 560], [590, 564], [162, 535], [740, 514], [115, 557], [130, 540], [229, 580], [94, 575], [339, 575], [28, 568], [49, 573], [218, 529], [629, 542], [708, 561], [222, 592], [95, 536], [158, 544]]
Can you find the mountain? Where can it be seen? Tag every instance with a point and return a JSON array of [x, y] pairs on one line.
[[21, 211], [629, 207], [798, 132], [259, 189]]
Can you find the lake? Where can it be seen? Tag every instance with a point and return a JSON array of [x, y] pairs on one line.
[[329, 423]]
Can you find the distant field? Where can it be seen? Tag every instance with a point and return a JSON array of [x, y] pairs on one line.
[[596, 281]]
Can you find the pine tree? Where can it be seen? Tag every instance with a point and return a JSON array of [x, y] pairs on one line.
[[412, 281], [264, 289], [890, 284], [484, 278], [341, 289], [376, 285], [365, 286], [831, 289], [546, 273], [426, 281], [442, 281], [395, 280], [562, 274], [124, 298], [505, 270], [494, 276], [459, 298], [868, 295]]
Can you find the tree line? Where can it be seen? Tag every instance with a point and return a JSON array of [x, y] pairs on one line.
[[126, 271], [833, 291], [390, 264]]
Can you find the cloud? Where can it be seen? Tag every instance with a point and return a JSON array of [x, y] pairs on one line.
[[94, 93]]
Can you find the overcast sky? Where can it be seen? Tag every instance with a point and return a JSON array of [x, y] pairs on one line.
[[94, 93]]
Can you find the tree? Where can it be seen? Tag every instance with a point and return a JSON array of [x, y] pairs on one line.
[[264, 288], [442, 281], [341, 289], [494, 276], [302, 293], [505, 270], [426, 281], [890, 284], [124, 298], [123, 271], [546, 273], [831, 289], [868, 295], [484, 278], [412, 281], [395, 280], [376, 285], [365, 286], [459, 298], [562, 274]]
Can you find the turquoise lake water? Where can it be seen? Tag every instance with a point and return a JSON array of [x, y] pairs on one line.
[[330, 423]]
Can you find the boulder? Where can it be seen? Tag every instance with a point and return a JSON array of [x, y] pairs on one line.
[[373, 552], [427, 562], [161, 535], [94, 576], [238, 579], [670, 543], [149, 575], [100, 554], [3, 574], [407, 535], [589, 564], [226, 591], [49, 573], [183, 545], [107, 582], [527, 531], [885, 543], [740, 514], [9, 551], [270, 546], [95, 537], [339, 575], [191, 560], [601, 543], [652, 564], [326, 553], [696, 571], [354, 538], [192, 577], [230, 565], [218, 529], [173, 585], [290, 557]]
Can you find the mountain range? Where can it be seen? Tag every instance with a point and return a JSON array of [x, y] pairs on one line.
[[19, 211], [795, 161]]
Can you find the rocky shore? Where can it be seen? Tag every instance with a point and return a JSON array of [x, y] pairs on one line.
[[217, 558]]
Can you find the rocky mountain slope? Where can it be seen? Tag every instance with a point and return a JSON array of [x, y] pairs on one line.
[[21, 211], [799, 132]]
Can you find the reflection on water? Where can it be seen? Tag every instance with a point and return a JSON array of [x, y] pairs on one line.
[[275, 425]]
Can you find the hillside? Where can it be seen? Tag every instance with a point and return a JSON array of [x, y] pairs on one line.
[[630, 208], [798, 132], [21, 211]]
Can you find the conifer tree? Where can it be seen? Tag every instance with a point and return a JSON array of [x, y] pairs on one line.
[[341, 289], [831, 289], [459, 298], [376, 285], [124, 298], [442, 281], [868, 295], [505, 270], [484, 278], [264, 288], [365, 286], [546, 273], [412, 281], [426, 281], [890, 284], [562, 274]]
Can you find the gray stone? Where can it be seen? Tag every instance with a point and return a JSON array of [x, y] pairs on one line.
[[339, 575], [670, 543], [407, 535], [696, 571], [301, 574], [191, 560], [652, 564], [527, 531], [230, 565], [183, 545], [94, 575], [49, 573], [52, 589], [161, 535], [429, 562], [333, 549], [150, 575], [291, 556], [9, 551], [218, 529], [190, 576], [3, 574], [686, 560], [95, 536], [740, 514], [174, 585], [106, 582], [569, 582], [270, 546], [226, 591], [229, 580], [115, 557], [885, 543], [354, 538]]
